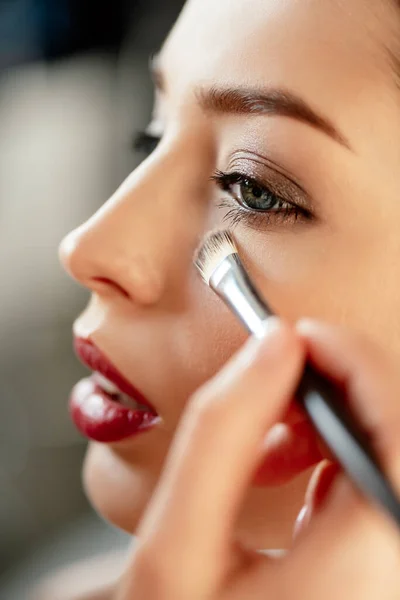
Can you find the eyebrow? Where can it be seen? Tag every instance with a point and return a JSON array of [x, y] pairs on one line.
[[255, 101]]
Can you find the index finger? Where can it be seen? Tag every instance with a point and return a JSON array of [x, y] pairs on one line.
[[370, 378], [216, 450]]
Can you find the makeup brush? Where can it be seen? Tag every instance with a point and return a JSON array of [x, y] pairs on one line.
[[220, 266]]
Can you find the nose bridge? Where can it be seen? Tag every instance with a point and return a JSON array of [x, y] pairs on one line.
[[142, 239]]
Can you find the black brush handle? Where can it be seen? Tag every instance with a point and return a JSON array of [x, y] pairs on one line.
[[332, 418], [322, 401]]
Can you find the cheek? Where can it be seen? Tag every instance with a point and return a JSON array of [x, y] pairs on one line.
[[212, 334], [289, 270], [119, 482], [348, 276]]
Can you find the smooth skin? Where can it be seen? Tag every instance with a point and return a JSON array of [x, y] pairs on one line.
[[151, 314], [187, 547], [149, 311]]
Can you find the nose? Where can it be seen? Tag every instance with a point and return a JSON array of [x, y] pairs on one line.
[[140, 243]]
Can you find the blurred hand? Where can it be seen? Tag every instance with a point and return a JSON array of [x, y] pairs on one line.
[[344, 546]]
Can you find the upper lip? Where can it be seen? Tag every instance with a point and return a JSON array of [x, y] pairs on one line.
[[94, 359]]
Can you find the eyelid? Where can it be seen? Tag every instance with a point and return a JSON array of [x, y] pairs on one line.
[[270, 178], [240, 213], [226, 181]]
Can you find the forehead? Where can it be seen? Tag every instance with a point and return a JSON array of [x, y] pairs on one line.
[[327, 51]]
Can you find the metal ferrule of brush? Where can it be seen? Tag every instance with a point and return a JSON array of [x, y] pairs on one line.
[[231, 282]]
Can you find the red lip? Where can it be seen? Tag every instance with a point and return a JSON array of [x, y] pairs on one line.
[[95, 412]]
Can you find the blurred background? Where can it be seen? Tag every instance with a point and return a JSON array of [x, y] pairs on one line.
[[74, 87]]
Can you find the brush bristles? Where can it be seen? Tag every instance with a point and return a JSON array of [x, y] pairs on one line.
[[215, 247]]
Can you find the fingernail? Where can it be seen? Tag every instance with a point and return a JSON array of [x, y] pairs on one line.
[[318, 490], [265, 341], [325, 484], [312, 327], [307, 325], [268, 326], [272, 341], [302, 521], [313, 481], [321, 484]]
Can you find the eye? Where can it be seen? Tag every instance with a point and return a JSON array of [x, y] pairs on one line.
[[256, 204], [255, 196], [145, 142]]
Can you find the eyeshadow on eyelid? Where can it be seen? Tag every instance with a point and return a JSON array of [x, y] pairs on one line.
[[268, 174]]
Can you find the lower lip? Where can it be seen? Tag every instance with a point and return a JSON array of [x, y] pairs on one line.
[[100, 418]]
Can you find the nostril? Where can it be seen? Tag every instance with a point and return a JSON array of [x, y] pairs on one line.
[[111, 284]]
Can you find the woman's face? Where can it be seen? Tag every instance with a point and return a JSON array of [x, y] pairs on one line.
[[301, 97]]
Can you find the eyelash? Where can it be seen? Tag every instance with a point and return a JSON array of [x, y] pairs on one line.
[[146, 143], [256, 218]]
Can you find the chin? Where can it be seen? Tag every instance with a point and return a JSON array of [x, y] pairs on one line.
[[117, 490], [120, 491]]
